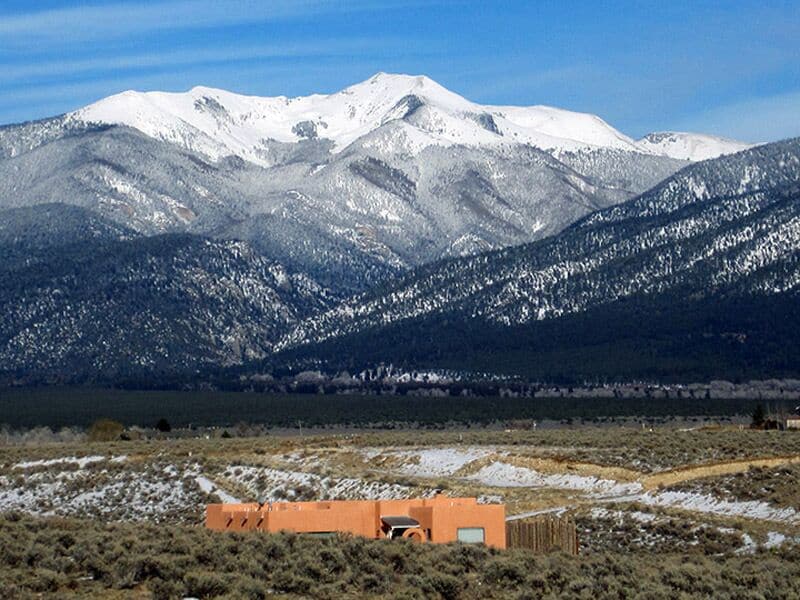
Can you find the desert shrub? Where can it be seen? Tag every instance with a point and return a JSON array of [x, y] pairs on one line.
[[203, 584], [447, 586], [166, 589], [250, 588], [89, 558], [105, 430], [285, 579], [45, 580], [505, 570]]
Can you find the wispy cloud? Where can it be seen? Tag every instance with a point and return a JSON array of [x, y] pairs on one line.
[[754, 120], [22, 71], [105, 21], [102, 22]]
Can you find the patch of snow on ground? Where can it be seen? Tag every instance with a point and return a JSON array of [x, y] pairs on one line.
[[490, 499], [636, 515], [270, 485], [501, 474], [774, 539], [209, 487], [82, 462], [438, 462], [147, 492], [705, 503], [749, 545], [558, 511]]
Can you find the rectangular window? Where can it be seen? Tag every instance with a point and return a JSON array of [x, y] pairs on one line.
[[471, 535]]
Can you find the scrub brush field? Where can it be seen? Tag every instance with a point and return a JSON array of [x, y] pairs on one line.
[[664, 504]]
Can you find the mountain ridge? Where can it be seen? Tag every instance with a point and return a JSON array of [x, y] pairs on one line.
[[217, 122], [104, 301], [695, 226], [175, 252], [369, 211]]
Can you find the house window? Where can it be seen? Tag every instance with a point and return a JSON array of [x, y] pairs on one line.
[[471, 535]]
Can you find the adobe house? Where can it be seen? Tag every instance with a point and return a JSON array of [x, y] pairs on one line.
[[439, 519]]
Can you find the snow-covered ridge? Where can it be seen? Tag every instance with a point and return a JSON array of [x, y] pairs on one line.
[[689, 146], [412, 112]]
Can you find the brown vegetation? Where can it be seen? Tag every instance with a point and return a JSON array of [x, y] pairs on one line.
[[105, 430]]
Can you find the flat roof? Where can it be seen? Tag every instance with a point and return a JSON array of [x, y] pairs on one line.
[[400, 521]]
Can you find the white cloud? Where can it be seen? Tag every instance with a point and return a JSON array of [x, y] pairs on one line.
[[85, 23], [89, 22], [64, 67]]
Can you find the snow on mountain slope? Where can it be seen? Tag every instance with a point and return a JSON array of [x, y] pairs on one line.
[[349, 188], [689, 146], [219, 123], [728, 224], [349, 218], [554, 128]]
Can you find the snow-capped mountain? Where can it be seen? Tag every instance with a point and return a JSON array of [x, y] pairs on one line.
[[421, 112], [724, 226], [170, 232], [93, 289], [689, 146], [349, 188], [219, 123]]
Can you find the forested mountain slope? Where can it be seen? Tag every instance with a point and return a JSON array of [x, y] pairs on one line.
[[106, 308], [725, 231]]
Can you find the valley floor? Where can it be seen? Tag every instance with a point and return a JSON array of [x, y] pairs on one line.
[[706, 500]]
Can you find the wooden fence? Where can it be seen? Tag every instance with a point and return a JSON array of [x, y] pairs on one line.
[[545, 533]]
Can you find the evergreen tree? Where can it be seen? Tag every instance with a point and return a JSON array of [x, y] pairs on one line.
[[758, 417]]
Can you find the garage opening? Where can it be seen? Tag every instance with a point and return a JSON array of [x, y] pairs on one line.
[[395, 527]]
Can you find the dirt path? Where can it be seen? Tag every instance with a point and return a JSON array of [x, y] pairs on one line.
[[681, 474], [573, 467]]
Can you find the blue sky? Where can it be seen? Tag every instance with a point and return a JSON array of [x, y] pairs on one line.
[[728, 67]]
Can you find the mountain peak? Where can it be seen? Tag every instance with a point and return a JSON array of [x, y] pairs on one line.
[[391, 87], [419, 112], [382, 76]]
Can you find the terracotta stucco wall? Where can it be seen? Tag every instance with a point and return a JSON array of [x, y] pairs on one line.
[[442, 516]]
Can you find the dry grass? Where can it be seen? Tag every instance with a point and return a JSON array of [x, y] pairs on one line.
[[778, 485], [624, 447]]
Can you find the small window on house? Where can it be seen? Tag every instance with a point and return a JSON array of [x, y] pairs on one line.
[[471, 535]]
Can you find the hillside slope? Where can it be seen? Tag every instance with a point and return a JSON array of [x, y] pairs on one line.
[[105, 308], [726, 230]]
